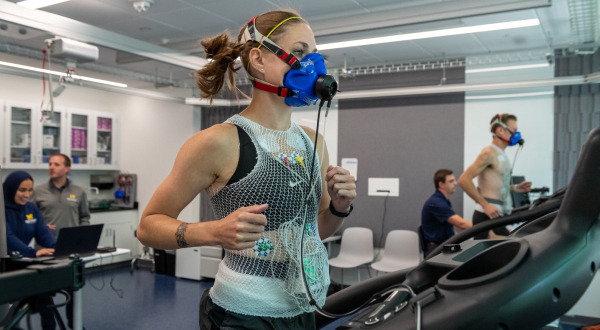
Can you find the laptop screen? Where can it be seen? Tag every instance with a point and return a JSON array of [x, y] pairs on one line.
[[82, 240]]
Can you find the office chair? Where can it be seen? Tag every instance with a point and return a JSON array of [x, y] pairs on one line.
[[422, 242]]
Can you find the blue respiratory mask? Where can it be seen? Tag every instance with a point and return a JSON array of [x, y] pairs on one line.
[[516, 139], [310, 82]]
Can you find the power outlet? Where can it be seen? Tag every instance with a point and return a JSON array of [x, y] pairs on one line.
[[384, 187]]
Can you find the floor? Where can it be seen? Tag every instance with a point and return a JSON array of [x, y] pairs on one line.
[[116, 299]]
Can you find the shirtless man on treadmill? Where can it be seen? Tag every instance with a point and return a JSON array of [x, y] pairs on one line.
[[493, 172]]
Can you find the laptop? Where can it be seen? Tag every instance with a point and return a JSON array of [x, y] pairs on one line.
[[81, 240]]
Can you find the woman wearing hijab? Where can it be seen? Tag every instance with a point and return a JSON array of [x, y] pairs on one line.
[[23, 219], [24, 222]]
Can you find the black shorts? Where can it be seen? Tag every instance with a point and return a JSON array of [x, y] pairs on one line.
[[479, 217], [214, 317]]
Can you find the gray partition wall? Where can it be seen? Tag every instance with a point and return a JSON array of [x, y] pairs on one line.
[[576, 111], [401, 137]]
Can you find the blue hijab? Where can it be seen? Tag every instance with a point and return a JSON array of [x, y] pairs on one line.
[[11, 185], [19, 231]]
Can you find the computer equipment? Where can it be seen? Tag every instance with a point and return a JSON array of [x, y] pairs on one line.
[[81, 240], [519, 198], [108, 249]]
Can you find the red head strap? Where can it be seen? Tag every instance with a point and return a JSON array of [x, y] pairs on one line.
[[252, 33]]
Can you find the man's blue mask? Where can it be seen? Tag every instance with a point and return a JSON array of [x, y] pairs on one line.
[[310, 82], [516, 139]]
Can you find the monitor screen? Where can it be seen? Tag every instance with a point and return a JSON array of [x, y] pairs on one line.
[[519, 199]]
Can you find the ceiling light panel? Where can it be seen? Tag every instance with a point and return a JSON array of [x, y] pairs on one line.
[[431, 34], [36, 4], [61, 74], [509, 95], [508, 68]]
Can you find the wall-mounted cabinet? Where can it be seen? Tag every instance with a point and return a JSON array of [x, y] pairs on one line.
[[105, 141], [31, 136], [52, 134], [19, 131], [93, 140]]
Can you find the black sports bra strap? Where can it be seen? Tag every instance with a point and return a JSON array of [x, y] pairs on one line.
[[248, 157]]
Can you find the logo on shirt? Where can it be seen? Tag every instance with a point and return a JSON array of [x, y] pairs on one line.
[[29, 219], [72, 198]]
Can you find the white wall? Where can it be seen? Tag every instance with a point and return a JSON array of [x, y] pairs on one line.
[[535, 116], [151, 132], [328, 126]]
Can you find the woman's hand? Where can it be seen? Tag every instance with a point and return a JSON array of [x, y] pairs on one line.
[[242, 228], [341, 188], [44, 252]]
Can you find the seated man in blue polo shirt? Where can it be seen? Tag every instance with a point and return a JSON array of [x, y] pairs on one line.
[[437, 218]]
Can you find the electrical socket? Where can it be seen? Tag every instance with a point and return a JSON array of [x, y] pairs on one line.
[[384, 187]]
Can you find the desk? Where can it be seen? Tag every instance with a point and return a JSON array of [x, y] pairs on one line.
[[37, 278], [77, 296], [25, 279], [106, 258]]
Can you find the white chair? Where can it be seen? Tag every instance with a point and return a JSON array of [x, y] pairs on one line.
[[356, 249], [401, 251]]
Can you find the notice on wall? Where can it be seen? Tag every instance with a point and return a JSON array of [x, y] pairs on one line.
[[351, 164]]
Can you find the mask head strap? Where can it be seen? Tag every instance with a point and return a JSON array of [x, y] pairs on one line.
[[498, 121], [252, 33], [265, 86]]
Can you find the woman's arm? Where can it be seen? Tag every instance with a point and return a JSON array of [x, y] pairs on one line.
[[14, 243], [338, 188], [199, 163], [340, 191], [43, 235]]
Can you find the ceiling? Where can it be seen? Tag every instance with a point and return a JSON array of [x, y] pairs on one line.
[[157, 49]]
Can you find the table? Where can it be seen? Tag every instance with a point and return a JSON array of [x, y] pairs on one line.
[[77, 295], [25, 279]]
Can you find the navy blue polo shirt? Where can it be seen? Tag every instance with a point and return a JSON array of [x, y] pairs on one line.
[[434, 218]]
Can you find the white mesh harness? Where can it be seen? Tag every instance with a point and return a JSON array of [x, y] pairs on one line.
[[506, 170], [266, 280]]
